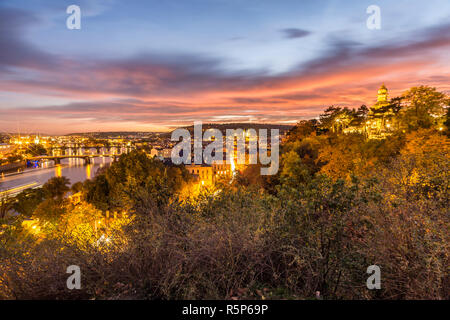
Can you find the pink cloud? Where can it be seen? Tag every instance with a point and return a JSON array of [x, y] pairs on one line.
[[159, 92]]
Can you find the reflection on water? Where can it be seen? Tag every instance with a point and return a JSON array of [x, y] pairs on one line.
[[58, 170], [73, 169], [88, 171]]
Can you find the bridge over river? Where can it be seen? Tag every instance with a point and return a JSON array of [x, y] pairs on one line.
[[86, 157], [76, 165]]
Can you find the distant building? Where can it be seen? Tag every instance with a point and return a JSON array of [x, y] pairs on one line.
[[381, 117], [154, 152], [166, 153], [222, 170], [203, 173], [380, 122], [207, 174], [6, 148], [161, 153]]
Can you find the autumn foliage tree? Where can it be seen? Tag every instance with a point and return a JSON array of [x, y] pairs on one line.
[[423, 105]]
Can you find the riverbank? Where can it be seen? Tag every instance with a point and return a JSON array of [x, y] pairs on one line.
[[12, 166], [15, 191], [15, 173]]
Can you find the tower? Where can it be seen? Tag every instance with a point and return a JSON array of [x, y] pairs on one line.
[[380, 118], [383, 95]]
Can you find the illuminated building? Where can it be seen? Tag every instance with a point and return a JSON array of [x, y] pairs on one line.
[[203, 173], [207, 174], [380, 121], [222, 169], [6, 148]]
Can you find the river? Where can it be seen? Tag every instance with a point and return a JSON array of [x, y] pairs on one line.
[[73, 169]]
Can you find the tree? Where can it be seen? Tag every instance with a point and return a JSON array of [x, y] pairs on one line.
[[28, 200], [303, 129], [299, 161], [295, 172], [447, 122], [362, 111], [343, 156], [56, 187], [136, 181], [426, 156], [36, 150], [396, 104], [49, 213], [423, 105], [96, 192], [336, 118], [77, 187], [5, 205]]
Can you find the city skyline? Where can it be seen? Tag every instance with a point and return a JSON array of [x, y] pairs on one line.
[[154, 66]]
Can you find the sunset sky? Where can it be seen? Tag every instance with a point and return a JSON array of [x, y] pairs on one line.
[[155, 64]]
